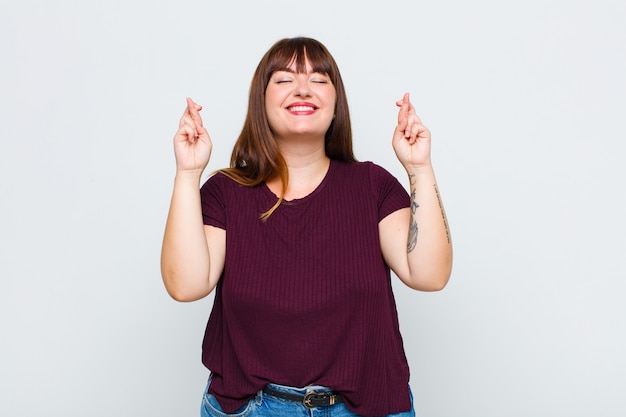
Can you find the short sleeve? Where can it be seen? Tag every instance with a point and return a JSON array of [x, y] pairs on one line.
[[389, 193], [212, 198]]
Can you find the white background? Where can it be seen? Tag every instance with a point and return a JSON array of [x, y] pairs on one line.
[[526, 104]]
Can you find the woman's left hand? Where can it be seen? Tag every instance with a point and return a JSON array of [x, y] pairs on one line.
[[411, 139]]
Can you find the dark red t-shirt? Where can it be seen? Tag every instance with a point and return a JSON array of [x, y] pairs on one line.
[[305, 297]]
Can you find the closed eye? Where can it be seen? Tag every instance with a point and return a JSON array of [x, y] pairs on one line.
[[320, 78]]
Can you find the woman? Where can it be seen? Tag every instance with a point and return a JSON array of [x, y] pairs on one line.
[[299, 239]]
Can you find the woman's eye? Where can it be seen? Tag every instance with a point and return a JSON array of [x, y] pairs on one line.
[[320, 78]]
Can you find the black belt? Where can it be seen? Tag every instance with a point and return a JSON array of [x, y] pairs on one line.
[[310, 399]]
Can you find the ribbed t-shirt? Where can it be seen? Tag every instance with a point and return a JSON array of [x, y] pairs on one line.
[[305, 297]]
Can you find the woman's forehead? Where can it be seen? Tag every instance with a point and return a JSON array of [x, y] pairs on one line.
[[301, 64]]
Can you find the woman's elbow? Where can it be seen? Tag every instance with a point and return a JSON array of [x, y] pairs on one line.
[[184, 295], [178, 294], [430, 281], [180, 291], [434, 285]]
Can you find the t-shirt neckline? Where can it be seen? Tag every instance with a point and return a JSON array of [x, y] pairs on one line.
[[307, 197]]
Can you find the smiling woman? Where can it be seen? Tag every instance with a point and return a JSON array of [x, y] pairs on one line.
[[304, 315], [286, 67], [300, 104]]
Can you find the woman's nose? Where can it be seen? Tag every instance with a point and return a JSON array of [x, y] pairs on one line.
[[303, 89]]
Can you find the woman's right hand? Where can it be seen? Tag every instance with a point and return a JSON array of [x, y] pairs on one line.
[[192, 143]]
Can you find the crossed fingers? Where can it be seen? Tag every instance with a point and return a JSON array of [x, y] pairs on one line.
[[409, 124], [191, 121]]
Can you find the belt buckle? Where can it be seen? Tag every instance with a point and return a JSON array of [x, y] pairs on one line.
[[309, 397]]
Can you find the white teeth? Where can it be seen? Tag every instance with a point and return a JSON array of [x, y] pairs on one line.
[[301, 108]]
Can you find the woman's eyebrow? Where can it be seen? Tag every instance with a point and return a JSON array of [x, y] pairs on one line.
[[292, 71]]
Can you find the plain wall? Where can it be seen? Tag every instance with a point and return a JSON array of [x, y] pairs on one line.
[[526, 104]]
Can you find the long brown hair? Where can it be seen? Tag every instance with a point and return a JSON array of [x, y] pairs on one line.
[[256, 157]]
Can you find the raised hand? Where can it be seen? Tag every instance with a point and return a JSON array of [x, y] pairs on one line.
[[411, 139], [192, 143]]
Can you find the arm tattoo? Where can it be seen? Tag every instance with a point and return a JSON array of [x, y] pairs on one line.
[[412, 239], [443, 213]]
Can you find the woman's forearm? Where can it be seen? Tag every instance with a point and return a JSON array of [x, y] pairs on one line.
[[429, 244], [185, 261]]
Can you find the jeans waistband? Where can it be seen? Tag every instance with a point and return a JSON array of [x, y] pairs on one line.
[[309, 396], [300, 390]]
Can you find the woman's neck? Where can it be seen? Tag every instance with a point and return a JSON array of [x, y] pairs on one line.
[[307, 167]]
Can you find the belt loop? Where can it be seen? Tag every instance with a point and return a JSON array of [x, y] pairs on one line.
[[259, 398]]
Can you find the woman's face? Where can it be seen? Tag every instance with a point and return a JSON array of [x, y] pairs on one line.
[[300, 104]]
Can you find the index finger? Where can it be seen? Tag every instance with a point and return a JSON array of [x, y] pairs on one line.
[[403, 112], [411, 110], [194, 111]]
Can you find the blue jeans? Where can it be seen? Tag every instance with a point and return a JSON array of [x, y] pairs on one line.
[[263, 405]]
